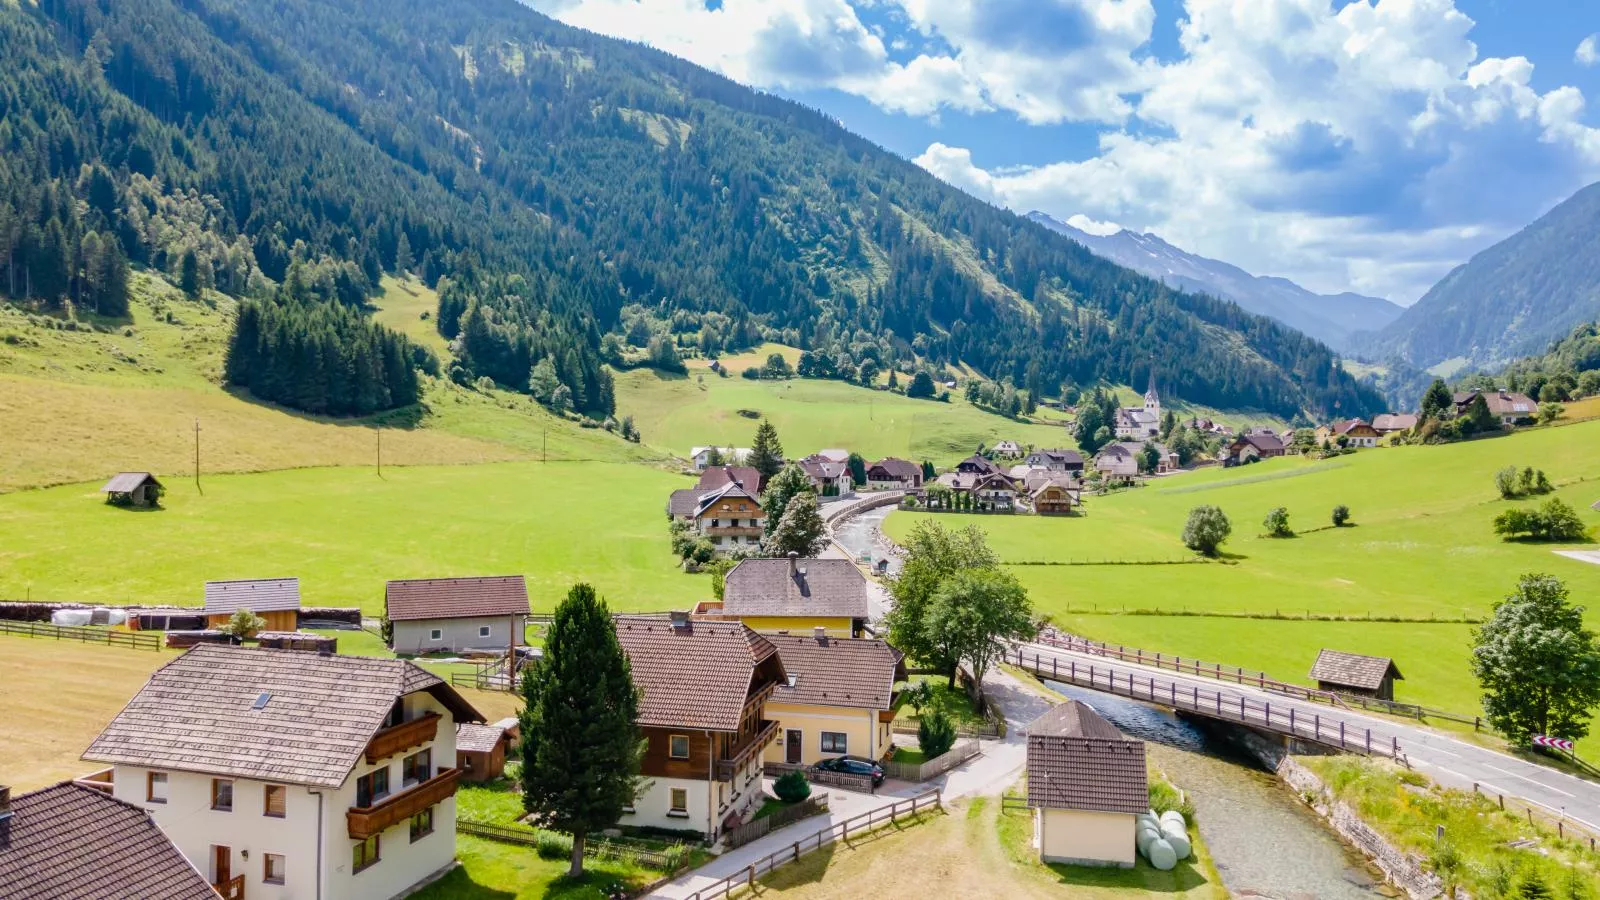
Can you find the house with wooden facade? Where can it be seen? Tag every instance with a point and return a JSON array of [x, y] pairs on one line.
[[275, 599], [1086, 785], [794, 595], [481, 750], [1056, 460], [1256, 445], [283, 774], [455, 614], [1052, 495], [889, 474], [976, 465], [1355, 432], [703, 690], [136, 489], [838, 698], [1354, 673], [730, 517]]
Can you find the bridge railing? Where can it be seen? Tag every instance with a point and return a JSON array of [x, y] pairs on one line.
[[1283, 719]]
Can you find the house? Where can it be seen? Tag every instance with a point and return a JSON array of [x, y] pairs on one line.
[[275, 599], [976, 465], [1251, 447], [833, 454], [827, 477], [139, 489], [481, 750], [1008, 450], [1509, 407], [1139, 422], [1060, 460], [702, 456], [1086, 784], [294, 774], [1389, 423], [1052, 494], [455, 614], [74, 842], [838, 699], [1352, 673], [1207, 426], [730, 517], [995, 492], [1117, 460], [682, 503], [796, 596], [891, 474], [1166, 459], [704, 686], [1356, 433], [717, 476]]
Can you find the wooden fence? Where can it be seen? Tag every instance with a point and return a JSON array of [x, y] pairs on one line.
[[599, 849], [838, 831], [138, 640], [958, 753], [815, 805], [847, 780]]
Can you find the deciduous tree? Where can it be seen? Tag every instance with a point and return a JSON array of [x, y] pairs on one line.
[[933, 556], [800, 531], [975, 612], [1538, 665], [1206, 529]]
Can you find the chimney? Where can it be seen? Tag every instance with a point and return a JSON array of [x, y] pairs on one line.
[[821, 634], [5, 803], [680, 619], [793, 564]]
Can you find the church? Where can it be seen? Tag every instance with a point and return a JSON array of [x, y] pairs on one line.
[[1135, 423]]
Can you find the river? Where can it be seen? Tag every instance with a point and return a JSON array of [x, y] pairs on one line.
[[1264, 842]]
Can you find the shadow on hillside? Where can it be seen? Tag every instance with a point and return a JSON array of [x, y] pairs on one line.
[[404, 418]]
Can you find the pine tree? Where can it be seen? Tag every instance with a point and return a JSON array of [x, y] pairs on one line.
[[1436, 401], [581, 746], [189, 275], [402, 257], [766, 453]]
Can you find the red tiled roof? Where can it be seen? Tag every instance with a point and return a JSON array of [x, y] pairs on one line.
[[1078, 760], [828, 671], [698, 675], [717, 476], [456, 598]]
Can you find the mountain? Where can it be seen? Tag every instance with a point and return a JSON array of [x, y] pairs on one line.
[[569, 196], [1330, 318], [1509, 300]]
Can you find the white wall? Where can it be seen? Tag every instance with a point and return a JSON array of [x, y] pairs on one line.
[[651, 807], [458, 634]]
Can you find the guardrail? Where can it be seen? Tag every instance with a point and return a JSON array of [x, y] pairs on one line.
[[602, 849], [836, 832], [138, 640]]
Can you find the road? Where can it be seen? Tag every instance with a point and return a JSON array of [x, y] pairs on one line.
[[1446, 759]]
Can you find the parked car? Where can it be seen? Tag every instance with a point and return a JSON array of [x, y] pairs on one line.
[[852, 765]]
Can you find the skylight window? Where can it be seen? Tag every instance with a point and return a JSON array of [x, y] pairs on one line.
[[261, 700]]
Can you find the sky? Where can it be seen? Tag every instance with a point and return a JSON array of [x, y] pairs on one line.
[[1366, 145]]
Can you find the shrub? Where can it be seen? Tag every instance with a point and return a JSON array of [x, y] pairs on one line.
[[553, 845], [1277, 523], [1505, 481], [1206, 529], [243, 624], [702, 551], [1554, 521], [791, 787], [919, 695], [1341, 516], [753, 373], [936, 734]]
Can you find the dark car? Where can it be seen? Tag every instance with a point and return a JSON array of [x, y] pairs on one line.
[[852, 765]]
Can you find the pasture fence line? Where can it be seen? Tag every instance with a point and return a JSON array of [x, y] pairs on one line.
[[1276, 615], [83, 634], [838, 831]]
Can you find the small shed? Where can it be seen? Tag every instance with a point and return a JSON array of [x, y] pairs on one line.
[[139, 489], [166, 618], [1353, 673], [298, 640], [481, 750], [275, 599], [1086, 785]]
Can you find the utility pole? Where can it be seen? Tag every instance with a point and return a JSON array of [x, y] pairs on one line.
[[197, 457], [380, 450], [544, 445]]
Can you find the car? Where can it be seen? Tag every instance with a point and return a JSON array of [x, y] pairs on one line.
[[851, 765]]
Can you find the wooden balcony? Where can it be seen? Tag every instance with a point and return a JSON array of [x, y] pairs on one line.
[[741, 754], [732, 531], [232, 889], [365, 821], [403, 737], [103, 781]]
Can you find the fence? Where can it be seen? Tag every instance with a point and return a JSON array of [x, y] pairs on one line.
[[958, 753], [138, 640], [601, 849], [815, 805], [836, 832], [847, 780]]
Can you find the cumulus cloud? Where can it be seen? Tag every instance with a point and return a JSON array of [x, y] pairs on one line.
[[1588, 52]]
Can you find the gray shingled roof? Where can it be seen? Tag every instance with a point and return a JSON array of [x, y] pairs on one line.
[[474, 738], [69, 842], [897, 468], [801, 587], [456, 598], [731, 490], [127, 482], [1078, 760], [717, 476], [696, 676], [854, 672], [682, 503], [1352, 669], [196, 713], [258, 595]]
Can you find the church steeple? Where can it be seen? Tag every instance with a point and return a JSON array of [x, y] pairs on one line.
[[1152, 401]]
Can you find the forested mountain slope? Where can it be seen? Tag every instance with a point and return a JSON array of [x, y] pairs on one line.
[[1509, 300], [549, 180]]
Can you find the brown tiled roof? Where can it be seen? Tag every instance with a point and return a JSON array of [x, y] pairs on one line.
[[196, 713], [127, 482], [1352, 669], [717, 476], [981, 463], [257, 595], [897, 468], [1347, 425], [474, 738], [698, 675], [1078, 760], [69, 842], [820, 469], [1394, 422], [801, 587], [456, 598], [829, 671], [1501, 403], [1262, 441]]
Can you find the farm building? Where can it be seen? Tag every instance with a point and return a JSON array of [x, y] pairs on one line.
[[481, 750], [275, 599], [1352, 673], [1086, 783], [297, 640], [484, 613], [139, 489]]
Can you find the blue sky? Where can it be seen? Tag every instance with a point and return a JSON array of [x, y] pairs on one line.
[[1367, 145]]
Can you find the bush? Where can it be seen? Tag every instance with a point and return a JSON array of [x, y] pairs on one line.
[[1206, 529], [753, 373], [1341, 516], [791, 787], [936, 734], [553, 845], [1277, 523], [1554, 521]]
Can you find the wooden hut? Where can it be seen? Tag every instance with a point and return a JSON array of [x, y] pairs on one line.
[[1353, 673], [140, 489], [276, 600], [481, 750]]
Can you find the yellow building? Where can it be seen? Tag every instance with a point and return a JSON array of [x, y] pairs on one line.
[[795, 596], [1087, 784], [838, 699]]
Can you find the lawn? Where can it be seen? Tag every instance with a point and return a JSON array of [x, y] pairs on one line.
[[954, 702], [345, 531], [496, 871]]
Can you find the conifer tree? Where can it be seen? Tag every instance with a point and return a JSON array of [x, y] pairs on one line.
[[402, 257], [766, 453]]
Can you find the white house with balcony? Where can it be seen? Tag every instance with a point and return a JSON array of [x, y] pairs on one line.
[[288, 774]]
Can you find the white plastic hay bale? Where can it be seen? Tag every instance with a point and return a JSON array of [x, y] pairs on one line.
[[117, 617], [1144, 838], [1177, 836], [68, 617], [1161, 855], [1173, 815]]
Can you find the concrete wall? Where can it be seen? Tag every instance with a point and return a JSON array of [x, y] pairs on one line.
[[653, 807], [864, 735], [416, 636], [1078, 837]]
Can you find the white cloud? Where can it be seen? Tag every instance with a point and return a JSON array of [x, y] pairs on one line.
[[1588, 52], [1084, 223]]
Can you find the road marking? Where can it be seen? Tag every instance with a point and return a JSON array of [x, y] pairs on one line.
[[1528, 780]]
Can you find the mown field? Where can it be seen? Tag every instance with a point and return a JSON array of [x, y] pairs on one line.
[[1421, 546]]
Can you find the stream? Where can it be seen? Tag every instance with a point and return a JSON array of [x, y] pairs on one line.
[[1264, 842]]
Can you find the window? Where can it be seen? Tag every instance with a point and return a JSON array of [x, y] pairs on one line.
[[222, 794], [680, 802], [678, 746], [834, 742], [436, 634], [372, 787], [155, 787], [422, 825], [417, 767], [364, 854], [272, 868], [276, 797], [483, 631]]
